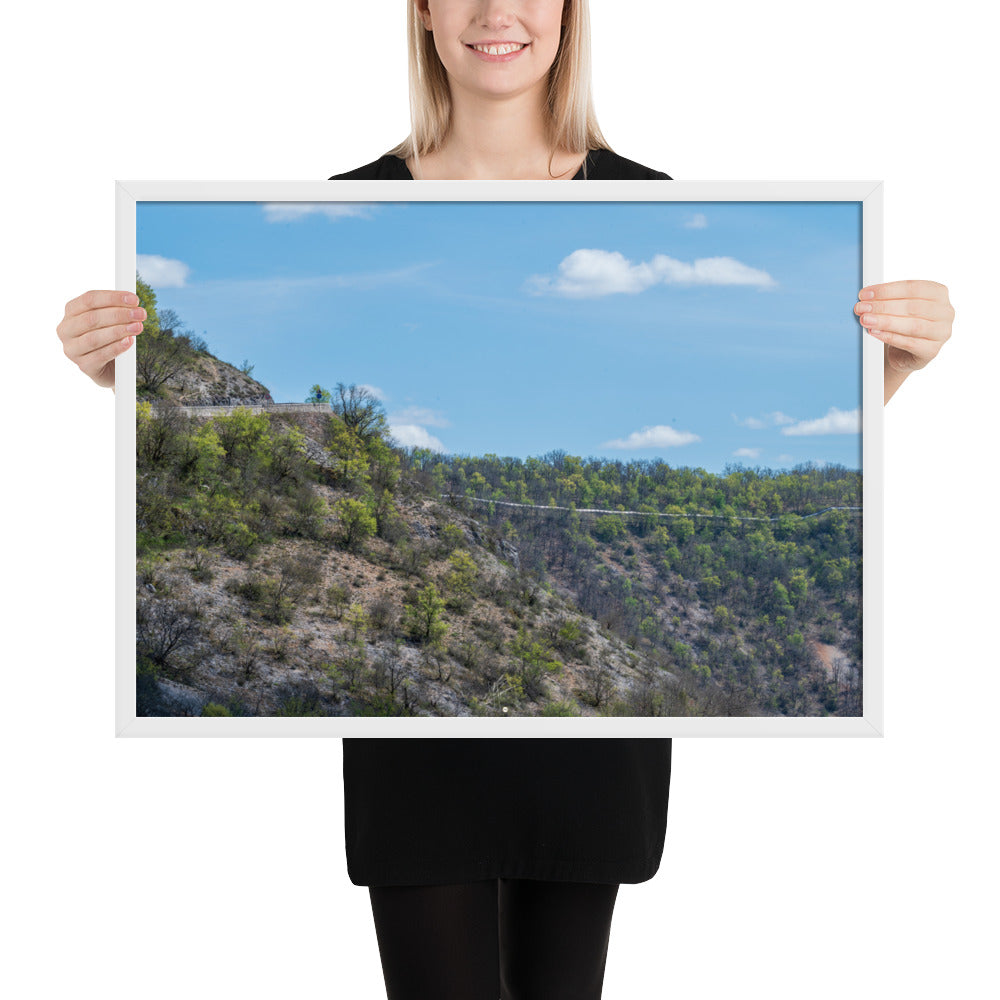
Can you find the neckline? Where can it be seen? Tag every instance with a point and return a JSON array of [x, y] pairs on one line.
[[578, 176]]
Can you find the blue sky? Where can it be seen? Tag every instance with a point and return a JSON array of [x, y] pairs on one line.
[[701, 334]]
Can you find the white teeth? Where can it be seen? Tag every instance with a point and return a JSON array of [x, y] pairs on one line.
[[498, 50]]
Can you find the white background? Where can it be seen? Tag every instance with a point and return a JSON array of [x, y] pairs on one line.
[[216, 868]]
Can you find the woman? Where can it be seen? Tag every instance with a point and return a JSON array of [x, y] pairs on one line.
[[493, 865]]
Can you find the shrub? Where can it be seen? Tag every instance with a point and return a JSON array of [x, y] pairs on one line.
[[163, 628], [450, 537], [299, 572], [412, 558], [308, 513], [559, 708], [200, 565], [337, 597], [265, 596], [303, 700], [242, 645], [382, 613], [238, 541], [598, 686], [570, 639], [607, 528], [381, 703], [147, 691]]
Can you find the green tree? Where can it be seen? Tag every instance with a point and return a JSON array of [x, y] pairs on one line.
[[535, 660], [450, 538], [287, 463], [461, 578], [356, 521], [422, 616], [528, 650], [158, 357], [357, 622], [798, 587], [608, 527], [347, 449], [147, 299], [158, 360], [200, 455], [246, 438], [361, 411], [383, 466], [682, 528], [337, 596], [157, 435], [723, 617], [780, 603], [317, 394]]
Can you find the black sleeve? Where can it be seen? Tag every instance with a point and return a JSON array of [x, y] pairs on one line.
[[385, 168], [605, 165]]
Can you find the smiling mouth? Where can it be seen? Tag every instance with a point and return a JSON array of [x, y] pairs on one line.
[[500, 50]]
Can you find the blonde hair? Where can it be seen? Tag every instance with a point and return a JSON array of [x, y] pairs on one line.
[[572, 124]]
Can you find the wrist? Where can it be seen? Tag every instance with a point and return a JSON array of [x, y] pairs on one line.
[[891, 381]]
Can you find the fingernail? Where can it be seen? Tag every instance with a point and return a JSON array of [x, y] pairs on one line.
[[866, 293], [134, 327], [864, 307], [130, 300]]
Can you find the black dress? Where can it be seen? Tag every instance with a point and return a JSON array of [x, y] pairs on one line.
[[435, 811]]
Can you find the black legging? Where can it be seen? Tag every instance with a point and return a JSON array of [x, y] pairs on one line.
[[514, 939]]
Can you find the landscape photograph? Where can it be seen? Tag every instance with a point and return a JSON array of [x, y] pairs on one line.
[[498, 459]]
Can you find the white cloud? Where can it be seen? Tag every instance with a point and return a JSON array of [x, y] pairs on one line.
[[697, 221], [593, 273], [659, 436], [747, 453], [835, 422], [413, 436], [293, 211], [419, 415], [775, 419], [374, 390], [161, 272], [409, 427]]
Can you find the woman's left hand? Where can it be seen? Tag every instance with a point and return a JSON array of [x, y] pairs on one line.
[[912, 318]]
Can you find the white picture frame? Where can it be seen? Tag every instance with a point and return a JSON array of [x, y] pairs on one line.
[[866, 194]]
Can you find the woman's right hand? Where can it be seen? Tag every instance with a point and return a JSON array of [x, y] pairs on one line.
[[97, 327]]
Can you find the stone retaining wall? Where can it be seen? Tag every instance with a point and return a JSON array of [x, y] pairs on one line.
[[209, 410]]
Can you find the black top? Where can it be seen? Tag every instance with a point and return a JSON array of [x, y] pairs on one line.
[[435, 811], [602, 165]]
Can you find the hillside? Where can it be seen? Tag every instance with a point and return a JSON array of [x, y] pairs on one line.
[[301, 564], [178, 367]]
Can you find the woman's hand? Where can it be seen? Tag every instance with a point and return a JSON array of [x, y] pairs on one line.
[[912, 318], [97, 327]]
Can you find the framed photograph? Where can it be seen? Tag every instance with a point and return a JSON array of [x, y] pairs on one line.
[[499, 459]]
